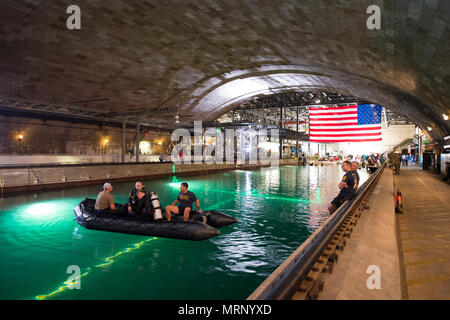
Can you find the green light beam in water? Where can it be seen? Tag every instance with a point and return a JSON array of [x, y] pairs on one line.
[[255, 193], [109, 260], [175, 182]]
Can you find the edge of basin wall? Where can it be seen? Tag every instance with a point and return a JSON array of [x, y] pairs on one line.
[[30, 188]]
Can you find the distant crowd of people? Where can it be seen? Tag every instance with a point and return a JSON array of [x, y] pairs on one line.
[[410, 161]]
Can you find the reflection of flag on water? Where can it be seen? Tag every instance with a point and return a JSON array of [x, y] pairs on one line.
[[345, 124]]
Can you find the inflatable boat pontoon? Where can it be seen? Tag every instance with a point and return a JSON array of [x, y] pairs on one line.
[[193, 229]]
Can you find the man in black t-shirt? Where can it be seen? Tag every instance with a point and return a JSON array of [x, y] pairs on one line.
[[186, 199], [346, 185], [355, 166]]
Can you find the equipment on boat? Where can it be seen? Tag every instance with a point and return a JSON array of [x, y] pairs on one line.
[[154, 200]]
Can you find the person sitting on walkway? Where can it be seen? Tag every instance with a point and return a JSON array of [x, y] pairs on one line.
[[105, 201], [139, 200], [355, 166], [186, 199], [347, 187]]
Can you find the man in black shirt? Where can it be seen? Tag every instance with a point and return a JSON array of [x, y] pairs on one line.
[[355, 166], [186, 199], [346, 185]]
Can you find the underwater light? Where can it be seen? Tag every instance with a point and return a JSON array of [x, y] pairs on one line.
[[41, 209]]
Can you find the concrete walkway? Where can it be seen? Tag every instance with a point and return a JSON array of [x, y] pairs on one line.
[[424, 234], [373, 245]]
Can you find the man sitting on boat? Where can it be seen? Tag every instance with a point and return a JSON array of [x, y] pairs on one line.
[[186, 199], [139, 200], [105, 201]]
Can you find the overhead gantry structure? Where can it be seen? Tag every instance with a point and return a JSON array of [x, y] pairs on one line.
[[173, 62]]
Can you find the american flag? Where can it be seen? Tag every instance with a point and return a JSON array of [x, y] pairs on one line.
[[356, 123]]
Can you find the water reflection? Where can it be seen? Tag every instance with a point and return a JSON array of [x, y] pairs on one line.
[[276, 208]]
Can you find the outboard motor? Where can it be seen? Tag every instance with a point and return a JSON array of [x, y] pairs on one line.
[[154, 200]]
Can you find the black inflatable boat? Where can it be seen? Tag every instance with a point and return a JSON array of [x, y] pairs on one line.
[[193, 229]]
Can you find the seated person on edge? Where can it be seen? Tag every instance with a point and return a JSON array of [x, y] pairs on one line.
[[355, 166], [186, 199], [139, 200], [346, 185], [105, 201]]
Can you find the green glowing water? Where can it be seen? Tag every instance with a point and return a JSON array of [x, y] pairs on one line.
[[276, 208]]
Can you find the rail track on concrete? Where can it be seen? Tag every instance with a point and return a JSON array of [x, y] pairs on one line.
[[302, 275]]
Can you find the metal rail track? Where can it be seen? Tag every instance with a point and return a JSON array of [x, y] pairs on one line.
[[301, 275]]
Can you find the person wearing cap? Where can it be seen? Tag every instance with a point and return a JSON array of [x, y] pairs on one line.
[[105, 201], [395, 160]]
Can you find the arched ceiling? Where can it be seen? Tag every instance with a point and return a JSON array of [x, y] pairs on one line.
[[205, 57]]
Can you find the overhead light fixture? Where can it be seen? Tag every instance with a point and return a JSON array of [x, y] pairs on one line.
[[429, 128], [445, 116], [177, 118], [105, 141]]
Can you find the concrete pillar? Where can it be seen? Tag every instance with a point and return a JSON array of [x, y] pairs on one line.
[[138, 137], [296, 147], [281, 127], [124, 127]]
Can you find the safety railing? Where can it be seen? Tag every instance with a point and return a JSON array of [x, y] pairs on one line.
[[286, 279]]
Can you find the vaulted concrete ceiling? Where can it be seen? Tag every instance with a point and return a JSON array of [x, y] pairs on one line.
[[206, 57]]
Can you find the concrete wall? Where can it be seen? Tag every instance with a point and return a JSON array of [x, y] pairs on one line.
[[14, 160], [40, 178], [65, 138]]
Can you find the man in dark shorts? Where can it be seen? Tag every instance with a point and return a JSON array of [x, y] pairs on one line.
[[346, 185], [186, 199]]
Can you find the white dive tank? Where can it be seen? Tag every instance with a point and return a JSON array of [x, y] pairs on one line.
[[154, 200]]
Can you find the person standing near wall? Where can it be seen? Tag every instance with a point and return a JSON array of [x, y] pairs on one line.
[[394, 158]]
